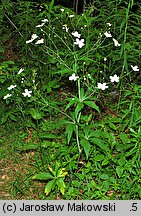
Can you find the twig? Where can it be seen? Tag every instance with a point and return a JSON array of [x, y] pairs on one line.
[[13, 24]]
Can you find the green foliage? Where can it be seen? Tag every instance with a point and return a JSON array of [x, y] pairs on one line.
[[57, 177], [56, 93]]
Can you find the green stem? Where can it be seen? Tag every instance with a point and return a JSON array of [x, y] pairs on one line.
[[13, 25], [46, 104], [79, 95], [77, 139], [40, 146], [124, 49]]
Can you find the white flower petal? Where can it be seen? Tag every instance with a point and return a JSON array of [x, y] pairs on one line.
[[107, 34], [76, 34], [65, 27], [7, 96], [109, 24], [102, 86], [21, 70], [114, 78], [11, 87], [27, 93], [34, 36], [41, 41], [29, 41], [44, 20], [135, 68], [116, 43], [71, 16], [79, 42], [40, 25], [73, 77]]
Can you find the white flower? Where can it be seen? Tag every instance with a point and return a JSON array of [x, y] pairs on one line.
[[80, 42], [40, 41], [43, 23], [11, 87], [107, 34], [105, 59], [7, 96], [114, 78], [73, 77], [38, 26], [21, 70], [76, 34], [44, 20], [62, 9], [135, 68], [109, 24], [102, 86], [27, 93], [71, 16], [33, 37], [116, 43], [29, 41], [65, 27]]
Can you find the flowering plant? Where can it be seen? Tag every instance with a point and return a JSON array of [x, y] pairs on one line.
[[77, 55]]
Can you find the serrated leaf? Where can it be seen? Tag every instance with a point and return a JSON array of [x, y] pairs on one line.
[[93, 105], [50, 186], [43, 176], [69, 131], [86, 145], [119, 171]]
